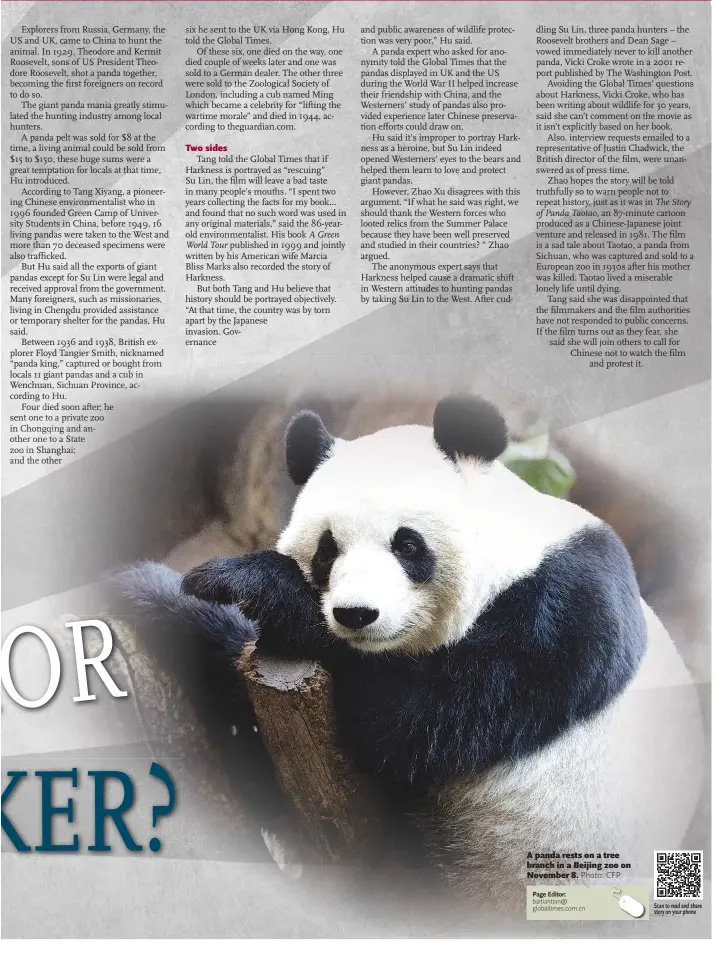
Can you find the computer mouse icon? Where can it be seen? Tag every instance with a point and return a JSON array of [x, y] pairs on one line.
[[632, 907]]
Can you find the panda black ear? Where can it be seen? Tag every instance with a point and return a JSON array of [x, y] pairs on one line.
[[467, 426], [308, 443]]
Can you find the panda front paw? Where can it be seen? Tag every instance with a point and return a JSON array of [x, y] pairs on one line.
[[270, 590], [250, 581], [214, 581]]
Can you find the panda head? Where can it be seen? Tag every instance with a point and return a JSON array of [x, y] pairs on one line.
[[410, 532]]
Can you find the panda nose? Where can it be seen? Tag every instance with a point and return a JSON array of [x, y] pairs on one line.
[[355, 617]]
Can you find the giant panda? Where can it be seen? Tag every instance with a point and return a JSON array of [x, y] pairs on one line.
[[491, 655]]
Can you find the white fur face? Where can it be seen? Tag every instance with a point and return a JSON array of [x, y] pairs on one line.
[[389, 525]]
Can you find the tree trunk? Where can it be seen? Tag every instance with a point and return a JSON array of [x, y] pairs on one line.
[[339, 809]]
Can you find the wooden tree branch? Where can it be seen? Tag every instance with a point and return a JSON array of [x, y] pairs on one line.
[[337, 813], [339, 809], [213, 822]]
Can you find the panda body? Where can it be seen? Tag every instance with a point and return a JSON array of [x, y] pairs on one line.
[[490, 651]]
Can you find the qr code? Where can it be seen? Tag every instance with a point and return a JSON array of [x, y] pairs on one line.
[[678, 874]]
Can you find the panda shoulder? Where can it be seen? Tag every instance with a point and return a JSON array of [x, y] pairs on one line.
[[587, 583]]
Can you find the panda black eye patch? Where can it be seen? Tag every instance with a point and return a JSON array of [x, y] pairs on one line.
[[324, 558], [415, 557]]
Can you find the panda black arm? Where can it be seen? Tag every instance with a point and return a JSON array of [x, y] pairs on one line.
[[271, 590], [551, 651]]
